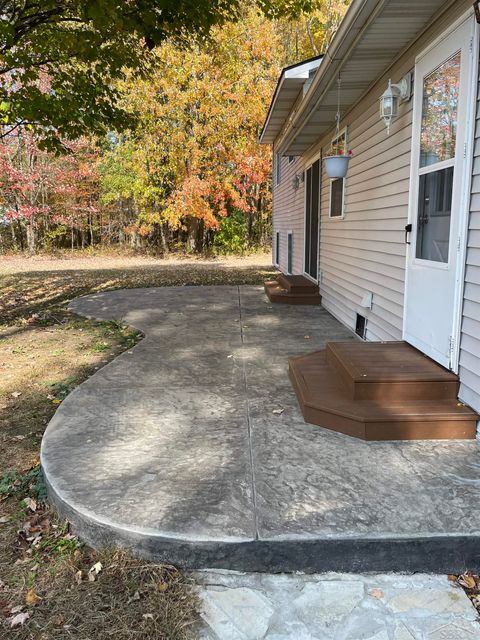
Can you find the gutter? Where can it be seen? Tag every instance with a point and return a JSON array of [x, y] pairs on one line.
[[358, 18]]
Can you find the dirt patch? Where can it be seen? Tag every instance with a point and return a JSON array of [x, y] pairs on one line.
[[49, 586]]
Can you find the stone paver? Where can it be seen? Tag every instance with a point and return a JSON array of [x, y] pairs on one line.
[[334, 607], [191, 448]]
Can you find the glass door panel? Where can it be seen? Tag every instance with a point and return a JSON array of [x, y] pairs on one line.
[[438, 134], [434, 211], [438, 137]]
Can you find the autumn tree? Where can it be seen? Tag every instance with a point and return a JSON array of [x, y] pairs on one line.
[[44, 196], [60, 59], [308, 33], [194, 156]]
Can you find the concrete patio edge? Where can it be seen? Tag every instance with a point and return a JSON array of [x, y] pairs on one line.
[[439, 554]]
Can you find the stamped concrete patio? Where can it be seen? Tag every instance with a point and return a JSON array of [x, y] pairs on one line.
[[191, 448]]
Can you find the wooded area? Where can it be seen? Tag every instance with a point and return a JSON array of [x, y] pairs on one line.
[[173, 163]]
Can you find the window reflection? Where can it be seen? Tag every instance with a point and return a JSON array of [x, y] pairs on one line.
[[439, 112]]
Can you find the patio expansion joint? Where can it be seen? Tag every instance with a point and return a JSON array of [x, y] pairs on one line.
[[249, 422]]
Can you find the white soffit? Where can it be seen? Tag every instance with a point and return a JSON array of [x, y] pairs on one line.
[[289, 86], [370, 38]]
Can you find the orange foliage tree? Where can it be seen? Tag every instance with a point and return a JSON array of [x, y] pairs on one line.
[[194, 158]]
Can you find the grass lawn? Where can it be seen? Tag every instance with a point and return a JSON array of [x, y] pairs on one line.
[[52, 586]]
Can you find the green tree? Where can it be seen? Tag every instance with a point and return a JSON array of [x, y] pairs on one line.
[[59, 58]]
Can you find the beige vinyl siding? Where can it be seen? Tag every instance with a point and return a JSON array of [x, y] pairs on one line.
[[470, 335], [288, 214], [365, 251]]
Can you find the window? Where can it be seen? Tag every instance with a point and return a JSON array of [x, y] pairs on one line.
[[277, 248], [337, 185], [278, 168], [336, 197], [290, 252], [291, 159]]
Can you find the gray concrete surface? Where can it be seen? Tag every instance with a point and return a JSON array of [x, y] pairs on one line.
[[239, 606], [191, 448]]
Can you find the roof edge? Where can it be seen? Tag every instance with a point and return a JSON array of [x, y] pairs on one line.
[[279, 85]]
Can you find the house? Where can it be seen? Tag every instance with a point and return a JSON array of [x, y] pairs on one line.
[[394, 246]]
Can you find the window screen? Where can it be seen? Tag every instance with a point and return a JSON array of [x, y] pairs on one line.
[[336, 198]]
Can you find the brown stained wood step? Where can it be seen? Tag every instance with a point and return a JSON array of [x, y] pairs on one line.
[[326, 401], [390, 371], [297, 284], [277, 293]]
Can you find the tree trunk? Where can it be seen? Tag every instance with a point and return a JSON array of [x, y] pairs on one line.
[[193, 226], [14, 237], [163, 239], [31, 242]]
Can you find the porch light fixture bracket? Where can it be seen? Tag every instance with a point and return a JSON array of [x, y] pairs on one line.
[[391, 98]]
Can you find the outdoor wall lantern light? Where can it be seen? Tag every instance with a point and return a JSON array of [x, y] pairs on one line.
[[391, 98]]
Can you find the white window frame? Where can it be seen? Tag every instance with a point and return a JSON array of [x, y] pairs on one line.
[[289, 235], [341, 133]]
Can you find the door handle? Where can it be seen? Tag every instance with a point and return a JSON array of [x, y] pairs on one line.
[[408, 229]]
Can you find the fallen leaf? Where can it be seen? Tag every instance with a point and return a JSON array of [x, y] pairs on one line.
[[94, 571], [17, 609], [31, 598], [18, 620], [30, 503], [376, 593], [306, 337], [467, 581], [162, 587], [78, 577], [148, 616], [452, 578], [15, 394], [277, 412], [56, 401], [4, 519]]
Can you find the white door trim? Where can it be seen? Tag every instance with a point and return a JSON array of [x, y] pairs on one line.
[[464, 207], [467, 194]]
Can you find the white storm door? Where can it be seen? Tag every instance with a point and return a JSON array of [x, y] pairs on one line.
[[439, 194]]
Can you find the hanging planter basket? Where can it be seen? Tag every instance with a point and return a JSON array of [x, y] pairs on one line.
[[336, 166]]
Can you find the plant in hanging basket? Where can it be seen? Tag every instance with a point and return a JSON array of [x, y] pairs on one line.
[[336, 162]]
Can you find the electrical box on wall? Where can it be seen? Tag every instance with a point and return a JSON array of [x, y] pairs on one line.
[[367, 300]]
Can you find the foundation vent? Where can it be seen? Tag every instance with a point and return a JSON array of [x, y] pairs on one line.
[[361, 326]]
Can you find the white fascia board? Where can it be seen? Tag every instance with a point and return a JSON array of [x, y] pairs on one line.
[[290, 77]]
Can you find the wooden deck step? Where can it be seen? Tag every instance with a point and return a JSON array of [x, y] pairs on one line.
[[288, 289], [332, 394], [390, 371], [297, 284]]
